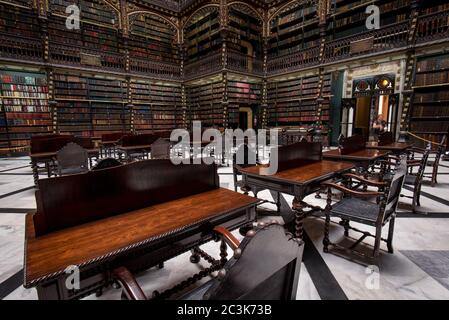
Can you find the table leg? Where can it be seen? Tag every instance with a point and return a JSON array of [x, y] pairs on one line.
[[299, 217], [35, 172]]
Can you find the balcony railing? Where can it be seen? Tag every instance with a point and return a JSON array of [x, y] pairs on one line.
[[297, 60], [433, 27], [155, 68], [206, 65], [69, 55], [20, 48], [391, 37], [248, 64]]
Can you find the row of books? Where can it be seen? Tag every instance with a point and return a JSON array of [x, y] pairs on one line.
[[432, 78], [299, 14], [26, 109], [435, 96], [441, 110], [435, 8], [429, 126], [433, 64]]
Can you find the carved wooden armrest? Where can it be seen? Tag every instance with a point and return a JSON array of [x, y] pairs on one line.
[[227, 237], [364, 180], [367, 194], [129, 284]]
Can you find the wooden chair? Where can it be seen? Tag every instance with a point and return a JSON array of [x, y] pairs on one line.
[[356, 206], [106, 164], [245, 276], [438, 153], [416, 179], [72, 159], [249, 159], [160, 149]]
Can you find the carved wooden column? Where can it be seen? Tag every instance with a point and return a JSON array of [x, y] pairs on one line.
[[264, 105], [224, 60], [323, 6], [407, 92], [182, 56]]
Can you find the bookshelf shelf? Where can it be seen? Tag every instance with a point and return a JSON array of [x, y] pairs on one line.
[[24, 108], [430, 104]]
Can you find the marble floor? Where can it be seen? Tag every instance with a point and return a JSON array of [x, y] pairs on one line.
[[419, 268]]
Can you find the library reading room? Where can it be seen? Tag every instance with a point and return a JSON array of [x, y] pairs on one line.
[[224, 150]]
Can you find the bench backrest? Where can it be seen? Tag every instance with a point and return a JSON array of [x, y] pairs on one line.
[[299, 154], [72, 200]]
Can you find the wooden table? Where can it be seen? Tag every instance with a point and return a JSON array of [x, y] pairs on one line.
[[144, 149], [138, 240], [50, 157], [299, 182], [396, 147], [364, 158]]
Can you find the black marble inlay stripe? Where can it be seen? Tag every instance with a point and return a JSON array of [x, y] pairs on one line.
[[11, 284], [16, 210], [16, 174], [430, 196], [324, 281], [15, 192], [410, 214], [7, 170]]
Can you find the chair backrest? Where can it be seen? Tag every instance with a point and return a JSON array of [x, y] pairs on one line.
[[352, 144], [244, 156], [422, 167], [393, 192], [85, 142], [72, 158], [385, 138], [160, 149], [299, 154], [50, 143], [267, 269], [112, 136], [72, 200], [106, 164], [138, 140]]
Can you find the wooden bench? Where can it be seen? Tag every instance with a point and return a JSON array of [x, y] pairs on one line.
[[137, 215]]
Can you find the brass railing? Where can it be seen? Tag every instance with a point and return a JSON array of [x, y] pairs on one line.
[[241, 62], [433, 27], [70, 55], [294, 61], [21, 48], [155, 68], [205, 65], [391, 37]]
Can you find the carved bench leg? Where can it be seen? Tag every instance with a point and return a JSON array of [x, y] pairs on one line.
[[195, 257], [390, 236]]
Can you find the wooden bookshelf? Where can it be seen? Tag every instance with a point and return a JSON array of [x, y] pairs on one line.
[[294, 29], [245, 28], [156, 106], [205, 103], [202, 34], [152, 38], [348, 17], [25, 110], [242, 93], [430, 107], [294, 102]]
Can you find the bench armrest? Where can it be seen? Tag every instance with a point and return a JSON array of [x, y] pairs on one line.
[[129, 284]]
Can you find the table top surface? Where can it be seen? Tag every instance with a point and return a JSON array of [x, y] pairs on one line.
[[361, 155], [49, 255], [303, 174], [392, 146], [52, 154]]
